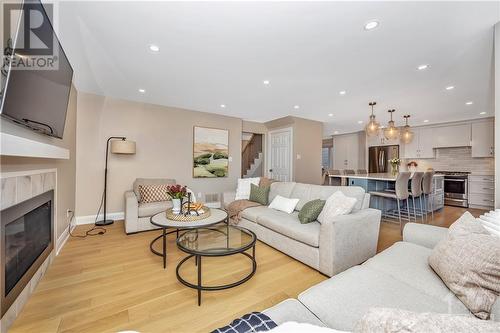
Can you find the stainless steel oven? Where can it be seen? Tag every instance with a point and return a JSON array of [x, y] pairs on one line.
[[456, 188]]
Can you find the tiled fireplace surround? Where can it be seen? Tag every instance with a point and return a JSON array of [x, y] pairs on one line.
[[17, 187]]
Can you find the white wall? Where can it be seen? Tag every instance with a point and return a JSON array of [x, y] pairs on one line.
[[497, 114]]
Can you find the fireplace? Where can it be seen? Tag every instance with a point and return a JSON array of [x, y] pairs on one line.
[[26, 240]]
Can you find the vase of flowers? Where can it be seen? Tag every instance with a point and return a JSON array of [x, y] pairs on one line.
[[412, 166], [395, 162], [177, 193]]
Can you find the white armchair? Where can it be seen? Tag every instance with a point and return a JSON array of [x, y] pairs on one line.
[[137, 214]]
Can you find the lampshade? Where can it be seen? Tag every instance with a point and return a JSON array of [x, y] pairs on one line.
[[406, 133], [373, 126], [391, 132], [122, 147]]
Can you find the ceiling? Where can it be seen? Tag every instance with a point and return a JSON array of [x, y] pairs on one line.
[[214, 53]]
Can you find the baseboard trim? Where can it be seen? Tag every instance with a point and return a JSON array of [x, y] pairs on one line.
[[90, 219], [61, 240]]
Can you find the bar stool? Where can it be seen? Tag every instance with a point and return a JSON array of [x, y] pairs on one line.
[[333, 172], [400, 194], [427, 191], [416, 192]]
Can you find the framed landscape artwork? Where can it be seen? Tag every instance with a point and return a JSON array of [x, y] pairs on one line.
[[210, 152]]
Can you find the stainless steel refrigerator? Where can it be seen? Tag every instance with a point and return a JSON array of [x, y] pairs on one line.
[[379, 156]]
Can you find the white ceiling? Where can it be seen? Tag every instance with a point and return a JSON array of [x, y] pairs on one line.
[[214, 53]]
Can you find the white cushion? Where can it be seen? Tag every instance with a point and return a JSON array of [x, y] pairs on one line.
[[284, 204], [491, 222], [243, 190], [336, 204]]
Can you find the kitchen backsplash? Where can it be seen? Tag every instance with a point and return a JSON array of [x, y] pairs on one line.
[[455, 159]]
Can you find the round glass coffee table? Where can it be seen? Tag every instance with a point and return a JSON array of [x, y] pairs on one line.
[[161, 220], [216, 241]]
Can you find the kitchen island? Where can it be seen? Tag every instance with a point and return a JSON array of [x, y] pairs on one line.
[[386, 181]]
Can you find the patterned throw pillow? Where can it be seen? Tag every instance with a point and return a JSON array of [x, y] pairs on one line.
[[259, 194], [310, 211], [154, 193]]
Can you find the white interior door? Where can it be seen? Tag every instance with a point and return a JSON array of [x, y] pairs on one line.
[[280, 155]]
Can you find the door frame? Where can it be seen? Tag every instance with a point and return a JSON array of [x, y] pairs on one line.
[[269, 151]]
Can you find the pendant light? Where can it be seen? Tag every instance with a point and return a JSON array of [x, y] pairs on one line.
[[406, 134], [372, 127], [391, 132]]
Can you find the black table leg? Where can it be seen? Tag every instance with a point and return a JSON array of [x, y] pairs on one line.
[[227, 233], [199, 279], [164, 248]]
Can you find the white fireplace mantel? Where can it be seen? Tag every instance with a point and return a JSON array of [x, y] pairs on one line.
[[12, 145]]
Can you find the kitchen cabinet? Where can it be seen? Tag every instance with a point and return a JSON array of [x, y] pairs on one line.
[[422, 144], [380, 140], [483, 139], [346, 151], [452, 136], [481, 191]]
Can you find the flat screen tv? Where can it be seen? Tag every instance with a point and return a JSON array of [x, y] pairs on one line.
[[37, 97]]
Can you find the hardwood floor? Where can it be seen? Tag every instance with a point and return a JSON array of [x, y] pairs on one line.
[[113, 282]]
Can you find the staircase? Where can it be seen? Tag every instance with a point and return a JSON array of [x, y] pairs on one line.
[[251, 155]]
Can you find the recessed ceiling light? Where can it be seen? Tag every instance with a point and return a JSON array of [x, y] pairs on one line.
[[360, 121], [154, 48], [336, 132], [426, 120], [342, 92], [223, 106], [296, 107], [422, 67], [469, 103], [142, 91], [371, 25], [266, 82], [450, 88], [330, 115], [482, 112]]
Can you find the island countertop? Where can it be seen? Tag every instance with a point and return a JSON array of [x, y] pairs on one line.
[[376, 176]]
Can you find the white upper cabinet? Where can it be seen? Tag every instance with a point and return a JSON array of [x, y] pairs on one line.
[[422, 144], [425, 142], [452, 136], [483, 139], [380, 140]]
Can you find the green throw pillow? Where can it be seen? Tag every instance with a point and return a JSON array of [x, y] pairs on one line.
[[310, 211], [259, 194]]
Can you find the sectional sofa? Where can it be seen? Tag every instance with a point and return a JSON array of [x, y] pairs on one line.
[[346, 241], [398, 277]]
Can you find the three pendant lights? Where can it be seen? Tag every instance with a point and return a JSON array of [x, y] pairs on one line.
[[391, 132]]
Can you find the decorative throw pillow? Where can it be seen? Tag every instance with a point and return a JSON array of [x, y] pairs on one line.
[[153, 193], [491, 222], [465, 225], [469, 264], [383, 320], [284, 204], [259, 194], [311, 210], [243, 189], [336, 204]]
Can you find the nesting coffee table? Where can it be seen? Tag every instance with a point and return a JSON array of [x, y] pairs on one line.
[[215, 241], [160, 220]]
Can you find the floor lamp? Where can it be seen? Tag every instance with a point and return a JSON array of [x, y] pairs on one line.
[[119, 145]]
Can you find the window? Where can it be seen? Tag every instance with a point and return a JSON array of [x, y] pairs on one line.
[[326, 157]]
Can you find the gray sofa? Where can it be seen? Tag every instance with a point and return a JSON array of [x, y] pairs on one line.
[[329, 247], [137, 215], [398, 277]]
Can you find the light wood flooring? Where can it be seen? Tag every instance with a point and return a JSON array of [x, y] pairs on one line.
[[113, 282]]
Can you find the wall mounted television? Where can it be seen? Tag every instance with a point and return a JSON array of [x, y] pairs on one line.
[[36, 97]]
